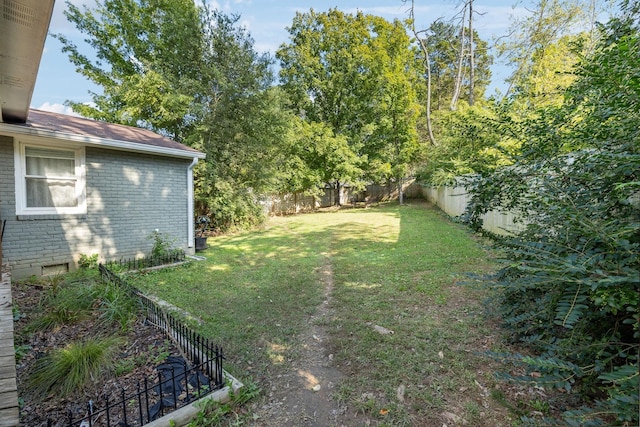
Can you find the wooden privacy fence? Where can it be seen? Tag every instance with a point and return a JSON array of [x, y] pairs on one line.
[[292, 203], [454, 200]]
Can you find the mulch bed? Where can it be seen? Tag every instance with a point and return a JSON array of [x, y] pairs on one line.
[[144, 348]]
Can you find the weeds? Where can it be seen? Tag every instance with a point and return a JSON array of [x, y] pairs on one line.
[[225, 414]]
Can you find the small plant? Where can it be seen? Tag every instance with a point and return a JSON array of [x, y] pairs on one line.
[[162, 244], [21, 351], [117, 306], [63, 304], [70, 368], [88, 261]]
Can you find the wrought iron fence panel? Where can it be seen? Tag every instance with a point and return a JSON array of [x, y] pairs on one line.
[[133, 263]]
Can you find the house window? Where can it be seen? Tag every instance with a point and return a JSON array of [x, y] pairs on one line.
[[49, 180]]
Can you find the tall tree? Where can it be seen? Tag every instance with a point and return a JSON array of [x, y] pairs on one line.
[[341, 70], [187, 71], [144, 64], [448, 47], [426, 61], [472, 59], [546, 23]]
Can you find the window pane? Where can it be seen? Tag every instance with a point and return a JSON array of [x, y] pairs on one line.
[[59, 168], [49, 194]]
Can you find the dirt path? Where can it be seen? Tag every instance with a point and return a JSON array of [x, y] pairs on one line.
[[303, 395]]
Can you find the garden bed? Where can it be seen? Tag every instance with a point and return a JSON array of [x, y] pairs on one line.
[[141, 348]]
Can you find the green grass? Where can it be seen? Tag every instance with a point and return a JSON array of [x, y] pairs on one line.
[[398, 267]]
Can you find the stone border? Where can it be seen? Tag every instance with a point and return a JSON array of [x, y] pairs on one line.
[[183, 416]]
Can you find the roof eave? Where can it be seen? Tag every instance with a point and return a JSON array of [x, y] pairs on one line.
[[100, 142]]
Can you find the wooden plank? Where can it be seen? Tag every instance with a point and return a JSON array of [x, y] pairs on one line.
[[7, 327], [9, 417], [7, 366], [8, 384], [8, 399], [6, 349]]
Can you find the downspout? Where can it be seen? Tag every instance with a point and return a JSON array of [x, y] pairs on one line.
[[191, 230]]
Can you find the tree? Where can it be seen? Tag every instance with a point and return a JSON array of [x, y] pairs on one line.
[[353, 73], [188, 72], [426, 62], [316, 156], [451, 65], [148, 46], [548, 21]]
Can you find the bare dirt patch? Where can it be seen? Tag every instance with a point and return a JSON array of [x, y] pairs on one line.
[[304, 394]]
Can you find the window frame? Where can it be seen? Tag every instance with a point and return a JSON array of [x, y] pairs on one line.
[[20, 161]]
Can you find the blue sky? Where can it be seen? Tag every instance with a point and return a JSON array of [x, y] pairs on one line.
[[266, 20]]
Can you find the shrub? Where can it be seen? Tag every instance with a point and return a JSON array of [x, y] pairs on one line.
[[569, 285]]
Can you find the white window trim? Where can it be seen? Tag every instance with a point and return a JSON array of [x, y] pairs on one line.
[[20, 180]]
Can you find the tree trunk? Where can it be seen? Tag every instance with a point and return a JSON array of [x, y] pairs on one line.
[[427, 66], [458, 85], [400, 193], [472, 70]]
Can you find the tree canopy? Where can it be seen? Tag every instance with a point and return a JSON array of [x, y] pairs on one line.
[[355, 74], [188, 72]]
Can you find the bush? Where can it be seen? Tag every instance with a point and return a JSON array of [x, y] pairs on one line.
[[569, 285]]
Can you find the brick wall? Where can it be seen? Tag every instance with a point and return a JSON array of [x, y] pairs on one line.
[[129, 196]]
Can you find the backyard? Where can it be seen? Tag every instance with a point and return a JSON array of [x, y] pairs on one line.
[[352, 317]]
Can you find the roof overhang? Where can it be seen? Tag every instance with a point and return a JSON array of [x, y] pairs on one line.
[[23, 31], [92, 141]]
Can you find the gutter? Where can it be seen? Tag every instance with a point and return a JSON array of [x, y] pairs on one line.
[[191, 232]]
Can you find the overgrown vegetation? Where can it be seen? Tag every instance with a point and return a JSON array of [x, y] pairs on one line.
[[213, 413], [74, 297], [570, 286]]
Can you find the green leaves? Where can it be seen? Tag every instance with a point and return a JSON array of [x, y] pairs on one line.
[[570, 285], [355, 74]]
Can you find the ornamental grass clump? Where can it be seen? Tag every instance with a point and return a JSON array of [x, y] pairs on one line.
[[70, 368]]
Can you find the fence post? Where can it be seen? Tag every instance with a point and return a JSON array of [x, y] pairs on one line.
[[140, 414], [146, 398], [106, 398], [124, 408]]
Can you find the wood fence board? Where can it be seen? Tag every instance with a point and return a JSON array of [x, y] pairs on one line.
[[9, 414], [8, 399], [9, 417]]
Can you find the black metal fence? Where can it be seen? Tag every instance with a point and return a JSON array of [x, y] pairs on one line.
[[130, 264], [181, 380], [179, 383]]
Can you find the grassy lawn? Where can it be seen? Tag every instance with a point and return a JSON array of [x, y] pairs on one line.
[[397, 267]]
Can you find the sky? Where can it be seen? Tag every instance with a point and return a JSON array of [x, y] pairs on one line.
[[266, 21]]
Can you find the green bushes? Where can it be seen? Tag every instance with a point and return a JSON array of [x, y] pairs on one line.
[[569, 287]]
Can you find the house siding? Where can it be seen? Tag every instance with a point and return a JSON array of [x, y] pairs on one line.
[[129, 195]]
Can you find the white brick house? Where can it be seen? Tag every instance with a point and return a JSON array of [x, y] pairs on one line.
[[71, 186]]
